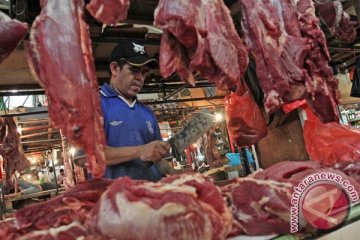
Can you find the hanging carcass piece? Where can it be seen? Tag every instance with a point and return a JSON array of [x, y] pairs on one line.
[[181, 207], [200, 38], [109, 11], [60, 57], [291, 54], [272, 35], [322, 89], [11, 149], [11, 32], [337, 20]]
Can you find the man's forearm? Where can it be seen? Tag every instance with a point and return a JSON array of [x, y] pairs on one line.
[[116, 155]]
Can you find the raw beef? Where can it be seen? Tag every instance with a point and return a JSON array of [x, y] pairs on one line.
[[12, 32], [8, 230], [259, 207], [11, 151], [73, 205], [180, 207], [72, 231], [283, 171], [337, 20], [272, 36], [291, 55], [60, 57], [351, 169], [322, 87], [200, 38], [109, 11]]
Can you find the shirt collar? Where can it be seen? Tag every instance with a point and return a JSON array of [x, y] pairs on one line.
[[107, 91]]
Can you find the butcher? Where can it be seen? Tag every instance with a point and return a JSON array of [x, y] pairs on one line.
[[132, 132]]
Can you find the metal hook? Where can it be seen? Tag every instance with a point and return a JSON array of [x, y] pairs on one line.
[[21, 12]]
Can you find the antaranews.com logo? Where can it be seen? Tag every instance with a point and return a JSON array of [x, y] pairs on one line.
[[323, 200]]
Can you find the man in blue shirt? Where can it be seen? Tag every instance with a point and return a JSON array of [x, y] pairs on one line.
[[132, 132]]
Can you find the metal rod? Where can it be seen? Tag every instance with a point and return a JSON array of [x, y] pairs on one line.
[[39, 141], [23, 114], [38, 134], [35, 128], [185, 100], [34, 121], [52, 162]]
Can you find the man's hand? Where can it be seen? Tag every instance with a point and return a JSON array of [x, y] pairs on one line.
[[154, 151]]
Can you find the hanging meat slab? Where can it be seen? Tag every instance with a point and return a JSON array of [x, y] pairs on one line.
[[11, 149], [200, 38], [322, 87], [12, 32], [109, 11], [337, 20], [60, 57], [272, 35]]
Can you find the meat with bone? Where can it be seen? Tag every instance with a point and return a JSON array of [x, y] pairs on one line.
[[272, 35], [12, 32], [109, 11], [60, 57], [181, 207], [201, 38], [11, 150], [337, 20], [73, 205], [322, 89]]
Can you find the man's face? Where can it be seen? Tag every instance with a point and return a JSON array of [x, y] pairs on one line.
[[128, 80]]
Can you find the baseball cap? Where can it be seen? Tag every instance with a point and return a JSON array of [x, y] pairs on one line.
[[133, 53]]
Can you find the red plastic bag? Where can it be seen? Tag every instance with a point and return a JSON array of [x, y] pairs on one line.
[[244, 120], [331, 142], [293, 105]]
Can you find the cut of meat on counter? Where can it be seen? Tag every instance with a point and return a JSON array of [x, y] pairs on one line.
[[183, 207], [292, 59], [337, 20], [109, 11], [11, 149], [260, 203], [200, 38], [259, 207], [73, 205], [177, 207], [12, 32], [60, 57]]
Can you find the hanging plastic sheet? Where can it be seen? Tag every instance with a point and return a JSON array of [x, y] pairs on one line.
[[331, 142], [244, 120]]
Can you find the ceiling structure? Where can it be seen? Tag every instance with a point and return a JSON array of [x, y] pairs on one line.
[[171, 99]]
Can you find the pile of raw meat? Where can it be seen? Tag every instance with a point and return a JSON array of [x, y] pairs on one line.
[[11, 149], [177, 207]]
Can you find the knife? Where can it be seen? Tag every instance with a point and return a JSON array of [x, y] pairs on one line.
[[192, 131]]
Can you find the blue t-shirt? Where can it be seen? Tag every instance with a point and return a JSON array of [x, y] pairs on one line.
[[128, 125]]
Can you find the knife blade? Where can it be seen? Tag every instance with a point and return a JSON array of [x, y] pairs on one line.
[[192, 130]]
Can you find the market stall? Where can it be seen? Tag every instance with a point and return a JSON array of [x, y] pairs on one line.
[[161, 119]]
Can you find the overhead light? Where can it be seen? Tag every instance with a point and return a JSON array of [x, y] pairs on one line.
[[218, 117], [19, 129], [72, 151]]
